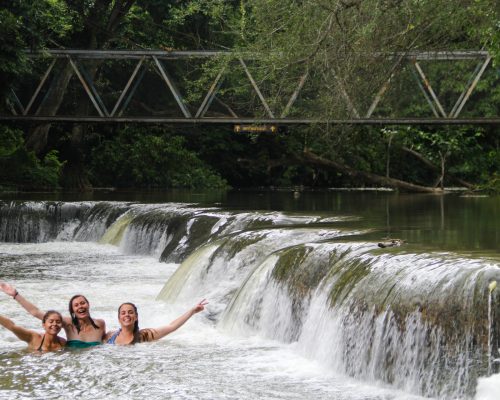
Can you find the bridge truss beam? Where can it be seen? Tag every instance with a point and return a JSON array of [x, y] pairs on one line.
[[19, 112]]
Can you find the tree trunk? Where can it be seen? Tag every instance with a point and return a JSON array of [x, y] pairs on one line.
[[443, 161], [433, 167], [74, 178], [388, 159], [74, 174], [314, 159], [37, 138]]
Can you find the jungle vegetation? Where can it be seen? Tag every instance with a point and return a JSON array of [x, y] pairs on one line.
[[329, 44]]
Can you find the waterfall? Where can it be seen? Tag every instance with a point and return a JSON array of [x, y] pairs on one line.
[[38, 221], [168, 231], [418, 322], [423, 322]]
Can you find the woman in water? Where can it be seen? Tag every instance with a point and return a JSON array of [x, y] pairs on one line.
[[81, 330], [52, 323], [129, 332]]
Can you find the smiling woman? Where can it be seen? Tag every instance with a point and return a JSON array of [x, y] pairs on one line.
[[81, 330], [49, 341], [129, 332]]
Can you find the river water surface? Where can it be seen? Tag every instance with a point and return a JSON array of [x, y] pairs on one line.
[[303, 303]]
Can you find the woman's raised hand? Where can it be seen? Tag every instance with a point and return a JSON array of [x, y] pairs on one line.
[[200, 306], [8, 289]]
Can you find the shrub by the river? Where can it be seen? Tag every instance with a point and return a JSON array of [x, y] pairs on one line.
[[137, 158], [21, 168]]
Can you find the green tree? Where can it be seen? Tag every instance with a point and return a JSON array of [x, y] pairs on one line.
[[21, 168], [28, 25], [334, 45], [104, 24], [150, 158]]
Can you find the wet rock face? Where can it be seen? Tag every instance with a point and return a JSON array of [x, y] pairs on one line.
[[185, 234], [391, 243]]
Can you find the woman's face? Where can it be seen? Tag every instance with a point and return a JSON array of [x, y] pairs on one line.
[[80, 307], [127, 315], [53, 324]]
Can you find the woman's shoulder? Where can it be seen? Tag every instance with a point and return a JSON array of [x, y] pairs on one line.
[[100, 323], [36, 339]]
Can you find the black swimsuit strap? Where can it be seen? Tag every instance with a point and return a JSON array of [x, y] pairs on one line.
[[41, 344]]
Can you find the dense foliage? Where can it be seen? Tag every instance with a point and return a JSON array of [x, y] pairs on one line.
[[137, 157], [328, 43], [19, 167]]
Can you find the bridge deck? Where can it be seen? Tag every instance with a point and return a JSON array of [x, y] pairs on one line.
[[275, 121]]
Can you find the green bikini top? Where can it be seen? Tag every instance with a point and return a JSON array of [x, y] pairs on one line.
[[78, 344]]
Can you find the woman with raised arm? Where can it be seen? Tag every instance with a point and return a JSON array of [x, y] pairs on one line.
[[81, 330], [129, 332], [49, 341]]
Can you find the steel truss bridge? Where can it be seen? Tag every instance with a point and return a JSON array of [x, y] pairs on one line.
[[17, 110]]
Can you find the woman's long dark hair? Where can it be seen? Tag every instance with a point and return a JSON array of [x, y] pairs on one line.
[[74, 320], [139, 335]]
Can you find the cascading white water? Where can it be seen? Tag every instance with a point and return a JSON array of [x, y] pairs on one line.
[[344, 306], [260, 307], [491, 287], [219, 275], [114, 234], [488, 388], [380, 326]]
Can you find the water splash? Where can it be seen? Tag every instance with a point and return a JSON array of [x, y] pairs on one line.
[[488, 388]]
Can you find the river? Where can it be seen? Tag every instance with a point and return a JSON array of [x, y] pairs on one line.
[[303, 303]]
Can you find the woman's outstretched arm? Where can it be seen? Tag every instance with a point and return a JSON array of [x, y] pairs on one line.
[[30, 307], [158, 333], [22, 333]]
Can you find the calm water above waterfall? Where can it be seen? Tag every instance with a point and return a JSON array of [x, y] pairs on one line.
[[303, 302]]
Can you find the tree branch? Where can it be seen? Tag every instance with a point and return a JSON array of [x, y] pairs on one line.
[[424, 160], [314, 159]]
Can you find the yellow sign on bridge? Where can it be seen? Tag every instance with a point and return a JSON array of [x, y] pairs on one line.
[[256, 129]]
